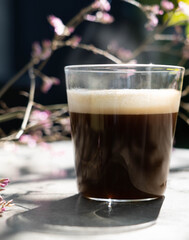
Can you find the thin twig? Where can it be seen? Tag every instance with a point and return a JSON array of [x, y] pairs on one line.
[[51, 107], [184, 117], [169, 37], [186, 72], [150, 38], [164, 49], [91, 48], [74, 22], [15, 78], [12, 115], [96, 50], [185, 91], [30, 104], [18, 112], [38, 73], [185, 106], [17, 135]]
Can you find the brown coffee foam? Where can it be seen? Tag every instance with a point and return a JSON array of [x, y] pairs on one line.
[[124, 101]]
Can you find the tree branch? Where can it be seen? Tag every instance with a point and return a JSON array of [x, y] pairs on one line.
[[18, 134], [15, 78]]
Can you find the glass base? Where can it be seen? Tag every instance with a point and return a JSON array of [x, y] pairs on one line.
[[122, 200]]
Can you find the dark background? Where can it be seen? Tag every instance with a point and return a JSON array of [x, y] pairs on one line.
[[24, 21]]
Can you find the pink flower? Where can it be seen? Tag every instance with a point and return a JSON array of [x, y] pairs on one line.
[[167, 5], [36, 50], [104, 17], [59, 28], [28, 139], [65, 122], [152, 9], [101, 17], [124, 54], [152, 22], [151, 12], [103, 5], [46, 49], [4, 182], [90, 18], [2, 209], [184, 7], [39, 115], [57, 24], [75, 40], [48, 82], [156, 10]]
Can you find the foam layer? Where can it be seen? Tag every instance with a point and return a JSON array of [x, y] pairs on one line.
[[124, 101]]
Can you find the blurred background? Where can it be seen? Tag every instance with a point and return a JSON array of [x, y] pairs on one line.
[[23, 22]]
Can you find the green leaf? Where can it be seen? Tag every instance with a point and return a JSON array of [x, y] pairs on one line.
[[185, 1], [187, 30], [176, 18]]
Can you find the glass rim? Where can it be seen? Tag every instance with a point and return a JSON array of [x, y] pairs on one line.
[[126, 67]]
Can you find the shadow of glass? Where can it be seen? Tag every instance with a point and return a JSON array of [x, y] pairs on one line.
[[75, 215]]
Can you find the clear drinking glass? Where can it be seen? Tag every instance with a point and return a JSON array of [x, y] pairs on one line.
[[123, 120]]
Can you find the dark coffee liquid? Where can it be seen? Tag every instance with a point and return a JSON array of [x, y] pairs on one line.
[[122, 156]]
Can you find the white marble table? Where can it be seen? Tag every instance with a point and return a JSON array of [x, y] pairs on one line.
[[47, 205]]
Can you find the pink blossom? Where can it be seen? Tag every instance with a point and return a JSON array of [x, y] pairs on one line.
[[46, 43], [46, 86], [156, 10], [124, 54], [28, 139], [90, 18], [153, 9], [66, 124], [104, 17], [43, 52], [103, 5], [36, 50], [57, 24], [151, 13], [184, 7], [48, 82], [46, 49], [39, 115], [2, 209], [152, 22], [75, 40], [56, 81], [4, 182], [71, 29], [167, 5], [101, 17]]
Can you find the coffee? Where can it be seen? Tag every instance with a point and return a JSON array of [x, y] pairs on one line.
[[122, 141]]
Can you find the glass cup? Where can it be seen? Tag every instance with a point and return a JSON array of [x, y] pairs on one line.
[[123, 120]]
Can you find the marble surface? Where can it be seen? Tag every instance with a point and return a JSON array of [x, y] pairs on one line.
[[48, 206]]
